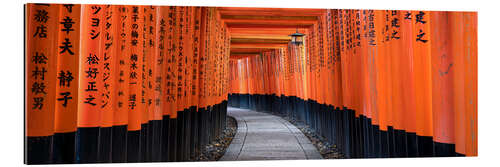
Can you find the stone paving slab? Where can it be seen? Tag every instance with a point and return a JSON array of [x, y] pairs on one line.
[[264, 136]]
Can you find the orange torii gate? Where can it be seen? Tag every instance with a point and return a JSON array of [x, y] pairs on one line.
[[378, 83], [130, 83]]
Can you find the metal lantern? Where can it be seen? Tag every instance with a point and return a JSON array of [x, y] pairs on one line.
[[297, 38]]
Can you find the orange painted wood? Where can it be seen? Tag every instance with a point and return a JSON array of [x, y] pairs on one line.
[[91, 61], [247, 11], [408, 72], [41, 64], [470, 78], [135, 105], [422, 67], [67, 69], [108, 68], [123, 65], [443, 69]]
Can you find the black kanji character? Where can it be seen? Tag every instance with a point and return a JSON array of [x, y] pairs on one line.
[[394, 12], [94, 34], [69, 7], [133, 75], [132, 99], [132, 105], [67, 24], [133, 65], [39, 58], [108, 45], [66, 47], [42, 16], [37, 103], [408, 15], [65, 78], [394, 35], [96, 9], [371, 33], [38, 87], [95, 22], [135, 26], [133, 57], [419, 18], [135, 17], [91, 87], [92, 73], [41, 31], [372, 42], [106, 85], [106, 66], [105, 103], [39, 72], [420, 36], [89, 100], [92, 59], [108, 25], [395, 22], [65, 98], [134, 34]]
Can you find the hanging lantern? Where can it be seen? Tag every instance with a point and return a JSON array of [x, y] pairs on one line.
[[297, 38]]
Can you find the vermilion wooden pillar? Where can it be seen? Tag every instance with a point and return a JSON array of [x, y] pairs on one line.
[[41, 77], [67, 83], [91, 85]]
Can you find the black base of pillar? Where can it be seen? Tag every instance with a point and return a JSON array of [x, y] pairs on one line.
[[133, 146], [377, 144], [156, 140], [172, 140], [87, 145], [425, 146], [412, 144], [39, 150], [105, 143], [165, 132], [391, 142], [444, 150], [64, 148], [144, 142], [400, 143], [119, 144]]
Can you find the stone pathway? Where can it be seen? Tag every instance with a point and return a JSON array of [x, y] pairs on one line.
[[262, 136]]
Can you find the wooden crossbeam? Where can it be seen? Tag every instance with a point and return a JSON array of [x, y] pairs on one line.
[[258, 45], [249, 11], [255, 30], [257, 40], [248, 50], [266, 25]]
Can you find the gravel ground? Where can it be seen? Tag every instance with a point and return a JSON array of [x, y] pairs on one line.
[[216, 149], [325, 148]]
